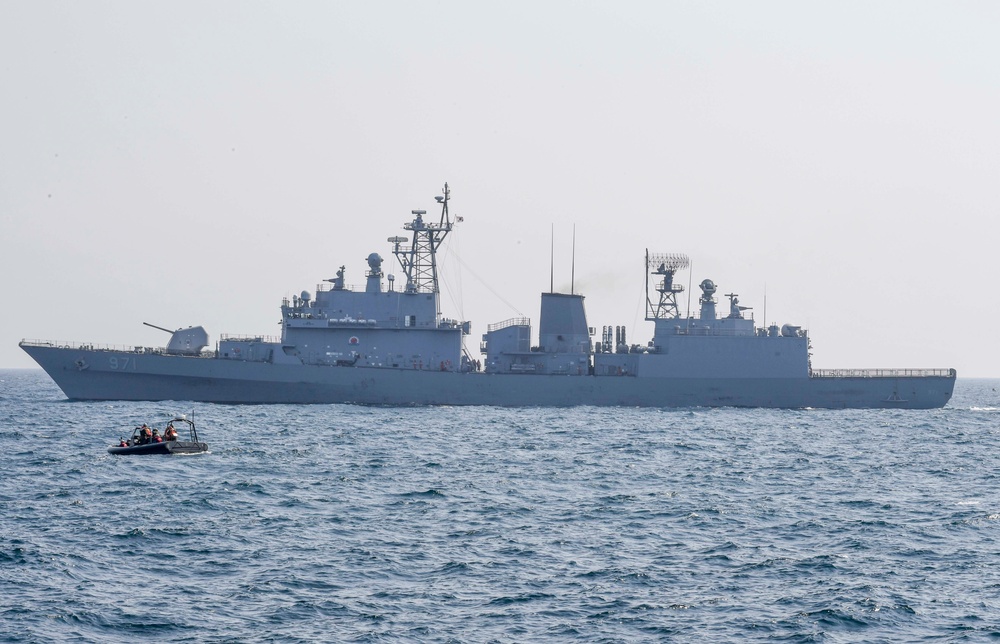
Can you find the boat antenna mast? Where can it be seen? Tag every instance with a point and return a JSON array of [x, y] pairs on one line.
[[664, 266], [419, 259]]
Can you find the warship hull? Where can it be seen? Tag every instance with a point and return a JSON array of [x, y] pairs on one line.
[[388, 343], [99, 374]]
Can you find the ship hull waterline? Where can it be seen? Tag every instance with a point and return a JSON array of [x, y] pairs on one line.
[[85, 375]]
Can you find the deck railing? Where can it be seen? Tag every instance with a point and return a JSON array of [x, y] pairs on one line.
[[882, 373], [86, 346], [93, 346], [322, 287], [250, 338], [507, 323]]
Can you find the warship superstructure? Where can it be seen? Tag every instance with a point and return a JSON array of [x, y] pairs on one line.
[[389, 344]]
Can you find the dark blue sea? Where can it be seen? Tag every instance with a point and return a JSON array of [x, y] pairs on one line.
[[342, 523]]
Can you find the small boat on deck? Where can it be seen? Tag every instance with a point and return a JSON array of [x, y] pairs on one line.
[[143, 442]]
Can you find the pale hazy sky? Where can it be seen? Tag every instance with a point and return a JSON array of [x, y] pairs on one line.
[[186, 163]]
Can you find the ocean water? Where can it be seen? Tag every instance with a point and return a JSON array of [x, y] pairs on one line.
[[343, 523]]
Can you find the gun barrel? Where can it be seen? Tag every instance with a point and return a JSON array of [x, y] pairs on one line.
[[158, 327]]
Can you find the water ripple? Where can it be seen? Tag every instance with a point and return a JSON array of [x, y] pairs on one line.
[[344, 523]]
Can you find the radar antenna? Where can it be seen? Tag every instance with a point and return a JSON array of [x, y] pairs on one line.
[[664, 266], [419, 259]]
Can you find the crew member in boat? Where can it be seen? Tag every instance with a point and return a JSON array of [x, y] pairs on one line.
[[170, 434], [145, 436], [156, 436]]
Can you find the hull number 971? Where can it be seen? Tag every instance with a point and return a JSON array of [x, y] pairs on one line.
[[121, 363]]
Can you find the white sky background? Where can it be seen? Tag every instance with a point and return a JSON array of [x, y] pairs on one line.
[[186, 163]]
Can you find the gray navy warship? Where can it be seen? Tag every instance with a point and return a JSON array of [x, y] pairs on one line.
[[384, 345]]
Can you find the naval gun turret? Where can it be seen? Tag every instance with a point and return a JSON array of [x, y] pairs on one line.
[[185, 342], [338, 281], [735, 309]]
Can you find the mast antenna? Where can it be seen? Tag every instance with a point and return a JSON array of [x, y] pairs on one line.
[[552, 253], [419, 259], [690, 277], [664, 266], [572, 272]]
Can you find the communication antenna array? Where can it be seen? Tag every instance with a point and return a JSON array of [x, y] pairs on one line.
[[419, 258], [672, 262], [664, 266]]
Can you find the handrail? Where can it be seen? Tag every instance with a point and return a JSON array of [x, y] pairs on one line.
[[83, 346], [323, 287], [271, 339], [117, 348], [882, 373], [709, 332], [507, 323]]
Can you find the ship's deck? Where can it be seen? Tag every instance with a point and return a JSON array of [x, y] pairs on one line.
[[92, 346], [882, 373]]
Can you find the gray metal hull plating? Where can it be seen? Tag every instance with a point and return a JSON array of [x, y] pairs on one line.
[[84, 374]]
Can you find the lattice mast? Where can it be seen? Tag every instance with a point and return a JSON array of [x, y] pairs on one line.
[[663, 266], [419, 259]]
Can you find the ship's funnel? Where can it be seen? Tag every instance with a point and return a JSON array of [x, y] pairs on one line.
[[562, 325]]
